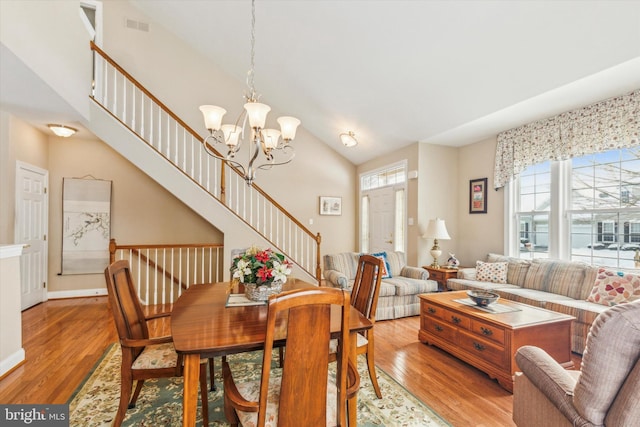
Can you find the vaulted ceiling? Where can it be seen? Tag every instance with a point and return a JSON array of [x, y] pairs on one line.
[[396, 71]]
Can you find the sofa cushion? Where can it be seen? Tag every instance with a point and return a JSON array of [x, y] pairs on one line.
[[571, 279], [530, 296], [625, 410], [613, 287], [396, 261], [387, 289], [495, 272], [613, 346], [409, 286], [466, 284], [386, 270], [517, 269], [346, 263]]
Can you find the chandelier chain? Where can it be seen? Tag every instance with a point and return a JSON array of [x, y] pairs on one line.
[[250, 75]]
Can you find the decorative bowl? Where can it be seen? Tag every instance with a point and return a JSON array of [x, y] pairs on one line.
[[483, 298]]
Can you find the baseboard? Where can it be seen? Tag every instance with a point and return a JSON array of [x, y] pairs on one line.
[[12, 362], [77, 293]]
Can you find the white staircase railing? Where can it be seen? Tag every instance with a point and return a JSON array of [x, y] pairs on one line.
[[162, 272], [153, 123]]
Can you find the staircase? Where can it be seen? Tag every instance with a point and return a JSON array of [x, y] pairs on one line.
[[135, 123]]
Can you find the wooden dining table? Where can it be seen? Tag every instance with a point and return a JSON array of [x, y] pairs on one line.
[[203, 326]]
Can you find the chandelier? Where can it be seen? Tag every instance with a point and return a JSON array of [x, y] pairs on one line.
[[259, 139]]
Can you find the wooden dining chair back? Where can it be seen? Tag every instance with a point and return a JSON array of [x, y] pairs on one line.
[[364, 297], [143, 357], [303, 397]]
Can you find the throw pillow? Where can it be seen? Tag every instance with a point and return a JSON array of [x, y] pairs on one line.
[[386, 269], [614, 287], [495, 272]]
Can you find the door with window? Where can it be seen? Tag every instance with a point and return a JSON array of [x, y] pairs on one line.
[[383, 209]]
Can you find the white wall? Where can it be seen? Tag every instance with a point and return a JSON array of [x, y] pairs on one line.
[[49, 38], [479, 234], [438, 184], [18, 141], [11, 351]]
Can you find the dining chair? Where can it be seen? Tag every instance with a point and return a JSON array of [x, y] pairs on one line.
[[143, 357], [305, 394], [364, 298]]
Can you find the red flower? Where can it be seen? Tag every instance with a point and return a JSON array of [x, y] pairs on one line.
[[263, 256], [264, 274]]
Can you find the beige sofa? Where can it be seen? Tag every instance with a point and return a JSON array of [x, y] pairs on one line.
[[398, 293], [561, 286], [606, 391]]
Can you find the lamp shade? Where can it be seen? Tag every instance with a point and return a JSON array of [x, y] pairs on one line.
[[231, 134], [270, 137], [62, 130], [348, 139], [212, 116], [288, 126], [436, 229], [257, 113]]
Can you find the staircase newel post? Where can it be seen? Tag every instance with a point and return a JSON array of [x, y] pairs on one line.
[[112, 250], [318, 270]]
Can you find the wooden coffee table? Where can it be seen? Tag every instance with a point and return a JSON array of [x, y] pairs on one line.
[[488, 339]]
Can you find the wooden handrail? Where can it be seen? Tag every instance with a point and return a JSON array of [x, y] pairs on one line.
[[194, 134]]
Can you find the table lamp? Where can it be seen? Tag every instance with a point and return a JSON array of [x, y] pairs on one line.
[[436, 229]]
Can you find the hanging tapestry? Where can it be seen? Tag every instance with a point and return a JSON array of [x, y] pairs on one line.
[[86, 225]]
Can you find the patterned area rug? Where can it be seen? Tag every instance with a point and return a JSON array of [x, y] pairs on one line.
[[95, 402]]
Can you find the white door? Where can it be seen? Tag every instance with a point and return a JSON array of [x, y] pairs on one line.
[[381, 219], [31, 231]]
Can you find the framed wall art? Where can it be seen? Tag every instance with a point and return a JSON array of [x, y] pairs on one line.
[[478, 196], [86, 228], [330, 205]]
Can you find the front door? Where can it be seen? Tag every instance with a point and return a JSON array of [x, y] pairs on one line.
[[31, 231], [382, 219]]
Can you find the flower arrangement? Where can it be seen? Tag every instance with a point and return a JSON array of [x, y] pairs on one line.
[[261, 267]]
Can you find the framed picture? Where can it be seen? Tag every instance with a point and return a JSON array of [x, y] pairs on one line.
[[478, 196], [330, 205]]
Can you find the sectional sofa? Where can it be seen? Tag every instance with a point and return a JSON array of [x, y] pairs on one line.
[[399, 288], [562, 286]]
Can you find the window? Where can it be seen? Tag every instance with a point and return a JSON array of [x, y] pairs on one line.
[[584, 209], [533, 211]]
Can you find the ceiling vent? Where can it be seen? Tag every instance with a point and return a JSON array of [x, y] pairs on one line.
[[136, 25]]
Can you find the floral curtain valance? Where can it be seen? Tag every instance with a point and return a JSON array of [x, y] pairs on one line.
[[607, 125]]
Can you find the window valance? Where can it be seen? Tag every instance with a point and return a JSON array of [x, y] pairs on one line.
[[606, 125]]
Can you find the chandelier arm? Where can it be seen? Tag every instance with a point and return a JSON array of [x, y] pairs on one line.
[[209, 149], [215, 155], [284, 162]]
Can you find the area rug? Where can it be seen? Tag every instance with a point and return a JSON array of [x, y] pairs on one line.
[[95, 403]]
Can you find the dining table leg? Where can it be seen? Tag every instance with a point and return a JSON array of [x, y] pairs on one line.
[[352, 403], [190, 392]]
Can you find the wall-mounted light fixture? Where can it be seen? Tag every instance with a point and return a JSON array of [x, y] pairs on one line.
[[349, 139], [62, 130]]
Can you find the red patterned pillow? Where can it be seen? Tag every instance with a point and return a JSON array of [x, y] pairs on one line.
[[495, 272], [614, 287]]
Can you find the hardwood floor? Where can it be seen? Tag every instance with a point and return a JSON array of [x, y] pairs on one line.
[[63, 339]]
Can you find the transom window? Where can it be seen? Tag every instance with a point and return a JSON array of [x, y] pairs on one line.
[[584, 209]]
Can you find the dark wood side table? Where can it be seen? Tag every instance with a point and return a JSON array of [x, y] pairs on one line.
[[441, 275]]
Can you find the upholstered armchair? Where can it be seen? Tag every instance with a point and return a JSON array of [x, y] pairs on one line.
[[606, 390]]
